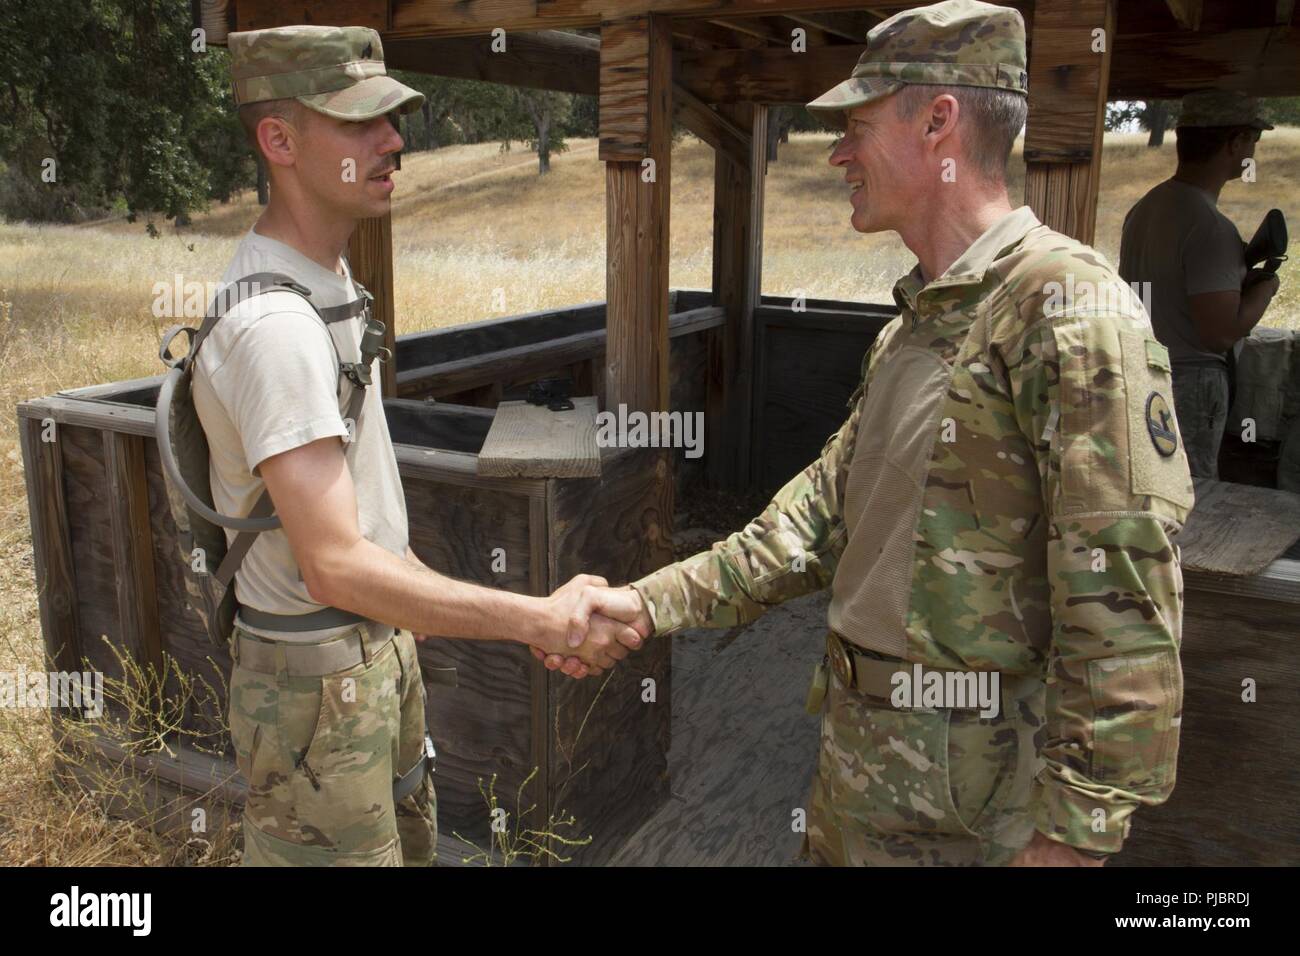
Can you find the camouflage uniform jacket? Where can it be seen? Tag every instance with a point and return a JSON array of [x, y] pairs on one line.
[[1040, 540]]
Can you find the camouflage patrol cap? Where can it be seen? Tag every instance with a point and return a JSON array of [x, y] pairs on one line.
[[1221, 108], [338, 71], [954, 43]]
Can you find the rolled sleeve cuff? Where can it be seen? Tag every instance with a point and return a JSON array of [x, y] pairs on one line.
[[1070, 816]]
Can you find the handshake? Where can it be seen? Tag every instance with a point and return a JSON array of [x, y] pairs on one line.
[[589, 626]]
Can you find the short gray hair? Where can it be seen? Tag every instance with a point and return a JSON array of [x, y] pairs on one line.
[[992, 118]]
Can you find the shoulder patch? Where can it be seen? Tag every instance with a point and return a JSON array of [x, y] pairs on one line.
[[1160, 425]]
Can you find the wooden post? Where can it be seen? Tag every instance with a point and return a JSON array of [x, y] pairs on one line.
[[137, 591], [56, 584], [635, 131], [370, 254], [737, 270], [1069, 71]]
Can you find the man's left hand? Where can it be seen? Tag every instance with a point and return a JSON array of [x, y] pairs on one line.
[[1042, 851]]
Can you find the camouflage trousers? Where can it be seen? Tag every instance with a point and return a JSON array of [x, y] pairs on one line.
[[320, 755], [924, 787], [1201, 407]]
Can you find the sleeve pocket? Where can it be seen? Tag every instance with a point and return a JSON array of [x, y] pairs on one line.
[[1137, 710]]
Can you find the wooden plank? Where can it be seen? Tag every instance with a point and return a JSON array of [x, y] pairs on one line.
[[90, 533], [1280, 581], [712, 126], [456, 17], [370, 255], [1261, 61], [626, 68], [770, 75], [56, 582], [263, 14], [530, 361], [738, 191], [539, 569], [532, 441], [475, 339], [185, 646], [852, 26], [117, 391], [1238, 529], [1068, 84], [131, 419], [547, 60], [607, 742], [808, 377], [637, 207], [482, 726], [437, 424], [127, 502], [690, 378], [214, 19], [1067, 81]]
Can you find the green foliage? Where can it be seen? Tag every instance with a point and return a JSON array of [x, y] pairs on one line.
[[114, 93], [1123, 114]]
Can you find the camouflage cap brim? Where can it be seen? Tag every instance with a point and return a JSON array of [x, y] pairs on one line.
[[853, 92], [373, 96]]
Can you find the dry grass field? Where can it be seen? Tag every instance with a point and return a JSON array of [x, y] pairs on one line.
[[468, 220]]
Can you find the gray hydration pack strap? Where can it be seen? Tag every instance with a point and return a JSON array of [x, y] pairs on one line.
[[356, 372]]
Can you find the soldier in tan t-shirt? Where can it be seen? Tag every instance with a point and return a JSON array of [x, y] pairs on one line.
[[328, 721]]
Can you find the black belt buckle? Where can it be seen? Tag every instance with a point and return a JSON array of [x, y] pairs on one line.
[[553, 393]]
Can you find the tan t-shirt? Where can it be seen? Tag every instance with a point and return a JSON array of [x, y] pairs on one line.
[[267, 381]]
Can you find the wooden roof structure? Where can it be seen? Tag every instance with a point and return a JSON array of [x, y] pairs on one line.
[[716, 66]]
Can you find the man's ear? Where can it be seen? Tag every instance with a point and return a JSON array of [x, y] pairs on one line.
[[276, 138], [942, 117]]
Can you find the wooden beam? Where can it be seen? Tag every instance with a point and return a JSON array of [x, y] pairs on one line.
[[1260, 61], [625, 77], [549, 60], [56, 582], [263, 14], [137, 590], [635, 142], [370, 254], [1068, 79], [852, 26], [214, 18], [449, 18], [737, 269], [711, 125], [771, 75], [775, 31], [709, 35]]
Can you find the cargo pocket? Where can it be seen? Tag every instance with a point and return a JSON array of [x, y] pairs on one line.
[[887, 773], [337, 737], [265, 849], [408, 743], [1136, 713]]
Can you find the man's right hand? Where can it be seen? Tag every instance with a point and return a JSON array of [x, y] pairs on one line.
[[594, 630], [598, 612]]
